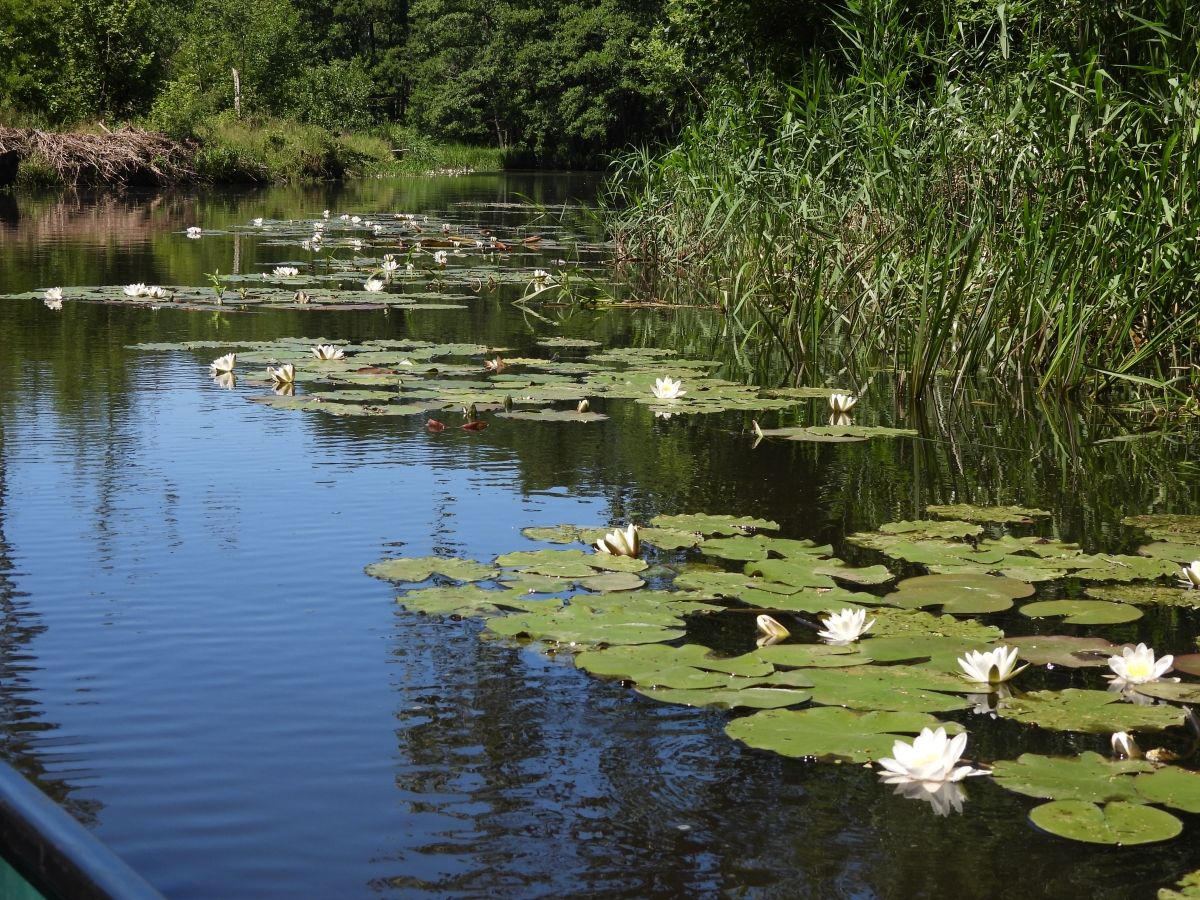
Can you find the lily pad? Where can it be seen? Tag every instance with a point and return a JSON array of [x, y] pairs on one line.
[[931, 528], [829, 732], [563, 534], [421, 568], [1171, 786], [1082, 612], [1183, 529], [1088, 776], [545, 562], [1062, 650], [1147, 595], [1097, 712], [580, 623], [640, 662], [706, 524], [886, 687], [1117, 823], [755, 697], [670, 538], [812, 655], [890, 622], [995, 514], [612, 581], [962, 594], [1187, 888], [467, 600]]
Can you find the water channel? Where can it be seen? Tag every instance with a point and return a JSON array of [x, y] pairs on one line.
[[193, 662]]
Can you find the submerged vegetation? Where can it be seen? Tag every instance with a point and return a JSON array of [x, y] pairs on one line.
[[1009, 191]]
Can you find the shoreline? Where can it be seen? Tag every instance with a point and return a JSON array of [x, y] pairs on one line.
[[270, 152]]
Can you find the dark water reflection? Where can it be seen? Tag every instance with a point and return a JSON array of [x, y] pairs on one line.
[[192, 660]]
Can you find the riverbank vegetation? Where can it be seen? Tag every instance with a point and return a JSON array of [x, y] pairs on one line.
[[300, 87], [940, 187]]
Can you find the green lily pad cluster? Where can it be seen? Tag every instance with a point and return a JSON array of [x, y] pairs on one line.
[[1103, 801], [409, 377], [961, 547], [633, 619]]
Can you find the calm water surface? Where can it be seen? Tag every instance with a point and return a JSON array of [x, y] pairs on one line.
[[194, 663]]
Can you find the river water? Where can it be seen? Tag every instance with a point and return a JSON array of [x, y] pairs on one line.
[[195, 665]]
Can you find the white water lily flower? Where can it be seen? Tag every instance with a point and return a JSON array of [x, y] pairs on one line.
[[134, 290], [345, 217], [377, 229], [285, 374], [195, 231], [932, 759], [257, 223], [328, 351], [373, 285], [317, 226], [51, 301], [156, 293], [1191, 574], [842, 403], [621, 543], [993, 667], [54, 293], [389, 264], [409, 267], [1124, 747], [666, 389], [1137, 665], [285, 271], [223, 364], [326, 214], [845, 626], [771, 628], [440, 257], [355, 220], [356, 244], [540, 275]]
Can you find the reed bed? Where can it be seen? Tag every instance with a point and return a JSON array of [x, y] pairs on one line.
[[945, 200]]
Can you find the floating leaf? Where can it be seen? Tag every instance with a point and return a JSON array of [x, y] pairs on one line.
[[923, 529], [579, 623], [1187, 888], [1147, 595], [963, 594], [538, 561], [1061, 650], [420, 568], [640, 662], [830, 732], [910, 622], [886, 687], [812, 655], [466, 600], [612, 581], [1082, 612], [756, 697], [670, 538], [563, 534], [1183, 529], [1171, 786], [1088, 776], [1098, 712], [1120, 824], [996, 514], [706, 524]]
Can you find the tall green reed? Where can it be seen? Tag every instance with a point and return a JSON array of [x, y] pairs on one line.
[[926, 198]]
